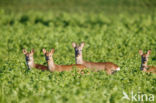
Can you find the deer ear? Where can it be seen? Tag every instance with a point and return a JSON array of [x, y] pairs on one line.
[[44, 51], [140, 52], [74, 44], [82, 44], [148, 52], [52, 51], [32, 51], [24, 51]]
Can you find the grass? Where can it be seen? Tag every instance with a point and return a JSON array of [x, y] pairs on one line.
[[79, 6], [114, 37]]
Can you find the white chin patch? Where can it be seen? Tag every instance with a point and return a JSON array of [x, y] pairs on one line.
[[118, 69]]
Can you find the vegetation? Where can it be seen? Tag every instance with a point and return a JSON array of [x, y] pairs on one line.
[[111, 32]]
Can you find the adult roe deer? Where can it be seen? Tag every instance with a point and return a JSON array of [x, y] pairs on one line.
[[53, 67], [144, 59], [109, 67], [30, 60]]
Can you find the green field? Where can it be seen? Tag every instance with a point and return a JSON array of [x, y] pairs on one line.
[[112, 31]]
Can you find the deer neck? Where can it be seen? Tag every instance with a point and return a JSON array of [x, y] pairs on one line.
[[51, 65], [30, 64], [79, 59]]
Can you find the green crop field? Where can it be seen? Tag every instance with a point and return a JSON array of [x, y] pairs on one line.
[[112, 31]]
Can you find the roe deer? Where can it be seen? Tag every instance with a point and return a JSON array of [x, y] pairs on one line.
[[144, 60], [53, 67], [109, 67], [30, 60]]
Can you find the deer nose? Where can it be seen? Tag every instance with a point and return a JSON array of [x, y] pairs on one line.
[[27, 59], [77, 52], [144, 59], [47, 58]]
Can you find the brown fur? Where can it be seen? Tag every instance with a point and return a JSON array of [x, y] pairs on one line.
[[150, 69], [42, 67], [144, 59], [30, 61], [53, 67], [68, 67], [101, 66], [109, 67]]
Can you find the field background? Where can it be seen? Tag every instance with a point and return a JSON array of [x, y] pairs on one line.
[[113, 30]]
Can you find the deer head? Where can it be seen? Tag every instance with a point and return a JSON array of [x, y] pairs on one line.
[[48, 55], [28, 55], [144, 58], [78, 48]]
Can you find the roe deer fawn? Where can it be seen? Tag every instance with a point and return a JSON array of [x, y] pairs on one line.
[[53, 67], [144, 60], [30, 60], [109, 67]]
